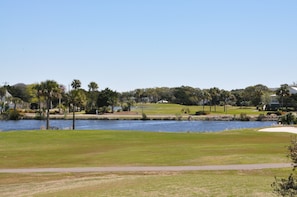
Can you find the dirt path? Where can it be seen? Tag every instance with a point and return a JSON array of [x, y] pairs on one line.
[[150, 168], [34, 185]]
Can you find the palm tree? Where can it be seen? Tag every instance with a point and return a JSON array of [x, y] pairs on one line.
[[39, 94], [214, 94], [205, 97], [225, 96], [93, 87], [76, 98], [283, 92], [76, 84], [49, 89]]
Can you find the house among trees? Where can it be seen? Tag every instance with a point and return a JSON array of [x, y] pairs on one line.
[[293, 90], [5, 101], [282, 97], [162, 101]]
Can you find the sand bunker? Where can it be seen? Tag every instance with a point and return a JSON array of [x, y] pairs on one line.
[[280, 129]]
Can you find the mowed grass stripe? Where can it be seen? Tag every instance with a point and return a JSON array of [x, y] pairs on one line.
[[64, 148]]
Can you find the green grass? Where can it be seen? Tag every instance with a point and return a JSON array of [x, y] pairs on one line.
[[175, 109], [64, 148], [29, 149], [206, 183]]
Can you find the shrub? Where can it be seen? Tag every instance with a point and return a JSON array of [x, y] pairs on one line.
[[39, 117], [178, 117], [285, 187], [199, 113], [125, 108], [276, 113], [91, 111], [185, 110], [261, 117], [244, 117], [12, 115], [288, 187], [144, 117], [288, 119]]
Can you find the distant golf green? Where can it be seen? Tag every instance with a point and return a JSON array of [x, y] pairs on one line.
[[165, 109]]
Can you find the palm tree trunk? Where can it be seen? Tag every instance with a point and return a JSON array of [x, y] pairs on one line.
[[39, 103], [73, 118], [47, 114]]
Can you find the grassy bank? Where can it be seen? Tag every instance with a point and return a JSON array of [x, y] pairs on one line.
[[65, 148]]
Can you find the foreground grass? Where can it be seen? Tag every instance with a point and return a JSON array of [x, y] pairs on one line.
[[29, 149], [63, 148], [223, 183]]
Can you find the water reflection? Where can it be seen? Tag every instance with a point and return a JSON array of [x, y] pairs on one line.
[[154, 126]]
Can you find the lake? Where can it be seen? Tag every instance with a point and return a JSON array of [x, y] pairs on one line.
[[139, 125]]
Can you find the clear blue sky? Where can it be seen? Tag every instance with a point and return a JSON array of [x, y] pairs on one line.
[[129, 44]]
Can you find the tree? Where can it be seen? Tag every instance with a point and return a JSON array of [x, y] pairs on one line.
[[107, 98], [93, 86], [126, 100], [138, 94], [76, 97], [288, 187], [48, 89], [19, 91], [76, 84], [62, 91], [15, 101], [215, 96], [205, 97], [225, 96], [283, 92], [93, 90], [39, 94], [186, 95], [113, 99], [238, 96], [2, 92]]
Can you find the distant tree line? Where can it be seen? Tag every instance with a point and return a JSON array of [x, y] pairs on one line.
[[51, 95], [257, 95]]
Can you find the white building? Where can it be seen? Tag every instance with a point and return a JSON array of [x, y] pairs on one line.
[[4, 100], [274, 99]]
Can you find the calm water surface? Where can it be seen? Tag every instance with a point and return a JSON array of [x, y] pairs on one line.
[[154, 126]]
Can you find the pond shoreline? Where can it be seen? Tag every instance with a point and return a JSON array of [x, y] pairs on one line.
[[115, 116]]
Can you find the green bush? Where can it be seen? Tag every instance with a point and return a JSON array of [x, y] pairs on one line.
[[12, 115], [288, 187], [125, 108], [144, 117], [288, 119], [91, 111], [244, 117], [199, 113], [261, 117], [285, 187], [39, 116], [185, 110]]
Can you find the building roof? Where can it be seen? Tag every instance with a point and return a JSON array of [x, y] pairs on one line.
[[293, 90]]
